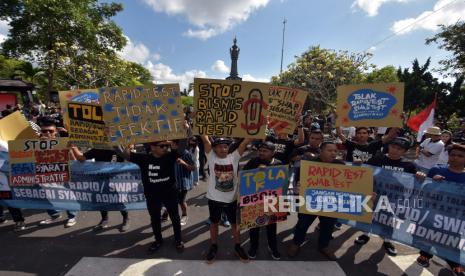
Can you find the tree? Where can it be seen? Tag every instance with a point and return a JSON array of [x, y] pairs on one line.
[[452, 39], [384, 74], [320, 71], [38, 25]]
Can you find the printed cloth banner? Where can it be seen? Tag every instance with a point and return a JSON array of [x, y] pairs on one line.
[[254, 186], [372, 105], [427, 215], [230, 108], [93, 186], [143, 114], [334, 190], [83, 118], [285, 105]]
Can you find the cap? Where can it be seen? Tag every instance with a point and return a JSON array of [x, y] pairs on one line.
[[267, 145], [220, 141], [402, 142]]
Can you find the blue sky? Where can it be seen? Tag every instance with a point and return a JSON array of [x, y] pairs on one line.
[[181, 39]]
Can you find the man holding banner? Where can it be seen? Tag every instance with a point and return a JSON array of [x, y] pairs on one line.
[[454, 172], [265, 158]]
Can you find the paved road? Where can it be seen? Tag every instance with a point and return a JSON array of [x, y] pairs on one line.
[[54, 250]]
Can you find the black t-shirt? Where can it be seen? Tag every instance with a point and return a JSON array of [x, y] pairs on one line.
[[362, 152], [256, 162], [284, 148], [304, 149], [157, 173], [103, 155], [394, 165]]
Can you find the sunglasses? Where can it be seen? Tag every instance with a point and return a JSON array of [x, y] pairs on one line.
[[47, 130]]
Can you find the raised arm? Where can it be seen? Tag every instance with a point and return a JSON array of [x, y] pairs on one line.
[[207, 145], [122, 152], [340, 135], [243, 146]]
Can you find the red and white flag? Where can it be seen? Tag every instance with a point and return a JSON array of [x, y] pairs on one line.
[[422, 120]]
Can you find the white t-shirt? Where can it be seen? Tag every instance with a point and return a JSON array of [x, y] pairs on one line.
[[435, 148], [443, 157], [222, 182]]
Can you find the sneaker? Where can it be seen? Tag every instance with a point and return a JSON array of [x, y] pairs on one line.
[[252, 253], [164, 216], [328, 254], [423, 261], [275, 254], [103, 224], [125, 226], [3, 220], [362, 239], [293, 250], [458, 271], [241, 254], [183, 220], [196, 183], [225, 223], [19, 226], [337, 226], [70, 222], [154, 247], [179, 247], [211, 255], [390, 249], [49, 220]]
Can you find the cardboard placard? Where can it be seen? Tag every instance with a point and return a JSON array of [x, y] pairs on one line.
[[15, 126], [83, 118], [370, 105], [285, 105], [230, 108], [254, 186], [143, 114], [35, 162], [339, 187]]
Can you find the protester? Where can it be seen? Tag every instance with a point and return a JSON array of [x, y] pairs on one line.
[[454, 172], [194, 150], [285, 145], [446, 137], [393, 161], [328, 154], [184, 178], [102, 155], [49, 131], [427, 154], [222, 190], [265, 159]]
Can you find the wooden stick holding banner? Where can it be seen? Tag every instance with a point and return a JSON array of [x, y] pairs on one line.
[[339, 189], [370, 105]]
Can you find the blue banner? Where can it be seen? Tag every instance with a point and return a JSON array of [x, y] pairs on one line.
[[427, 215], [93, 186]]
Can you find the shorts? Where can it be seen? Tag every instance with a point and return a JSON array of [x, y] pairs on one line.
[[217, 208], [182, 196]]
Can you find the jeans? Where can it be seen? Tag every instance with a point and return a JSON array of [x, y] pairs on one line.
[[56, 213], [271, 230], [304, 222], [105, 215], [168, 198]]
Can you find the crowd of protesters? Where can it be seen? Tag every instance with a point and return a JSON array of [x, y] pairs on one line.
[[170, 169]]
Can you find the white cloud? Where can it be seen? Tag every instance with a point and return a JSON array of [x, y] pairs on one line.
[[4, 29], [219, 66], [371, 49], [164, 74], [248, 77], [138, 52], [371, 7], [445, 12], [209, 17]]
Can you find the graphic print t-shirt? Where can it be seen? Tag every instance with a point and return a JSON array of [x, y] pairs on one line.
[[222, 182], [362, 152]]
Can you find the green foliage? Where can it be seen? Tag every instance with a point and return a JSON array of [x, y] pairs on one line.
[[320, 71], [452, 38], [385, 74], [187, 100]]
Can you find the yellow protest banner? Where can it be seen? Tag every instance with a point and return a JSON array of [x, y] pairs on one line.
[[38, 161], [83, 118], [230, 108], [143, 114], [370, 105], [286, 105], [334, 190], [15, 126]]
